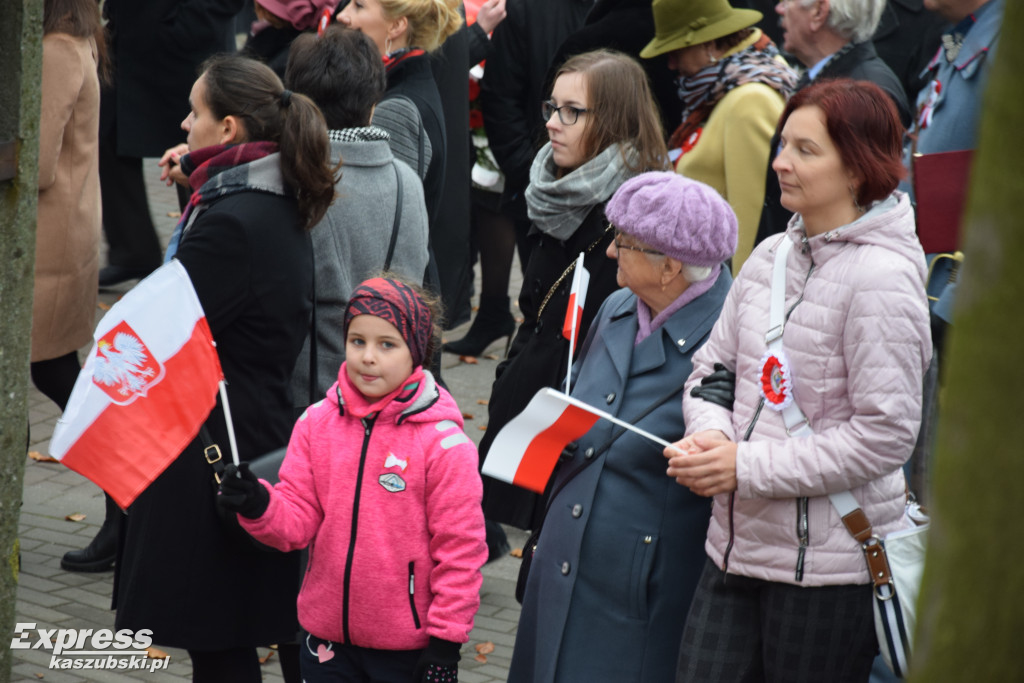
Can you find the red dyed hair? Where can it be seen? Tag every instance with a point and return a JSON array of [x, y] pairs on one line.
[[864, 126]]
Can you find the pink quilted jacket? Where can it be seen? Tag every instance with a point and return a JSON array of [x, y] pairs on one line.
[[858, 342], [389, 501]]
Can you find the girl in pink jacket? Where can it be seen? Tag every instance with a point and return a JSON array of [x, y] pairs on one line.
[[786, 594], [381, 483]]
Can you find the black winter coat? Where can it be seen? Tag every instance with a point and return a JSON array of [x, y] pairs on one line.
[[157, 47], [179, 574], [861, 63], [539, 353]]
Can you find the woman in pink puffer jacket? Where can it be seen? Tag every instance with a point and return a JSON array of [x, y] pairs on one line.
[[785, 594]]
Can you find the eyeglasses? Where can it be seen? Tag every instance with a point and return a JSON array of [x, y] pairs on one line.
[[567, 113], [632, 247]]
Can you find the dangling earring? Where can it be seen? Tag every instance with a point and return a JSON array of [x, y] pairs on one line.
[[712, 57], [856, 204], [387, 46]]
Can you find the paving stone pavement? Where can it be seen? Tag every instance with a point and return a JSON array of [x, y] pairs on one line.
[[53, 599]]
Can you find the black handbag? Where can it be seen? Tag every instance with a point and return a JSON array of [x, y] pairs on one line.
[[531, 543]]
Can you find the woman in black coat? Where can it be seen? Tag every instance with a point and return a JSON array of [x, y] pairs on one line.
[[245, 247], [603, 127]]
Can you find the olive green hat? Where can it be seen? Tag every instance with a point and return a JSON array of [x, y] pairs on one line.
[[682, 23]]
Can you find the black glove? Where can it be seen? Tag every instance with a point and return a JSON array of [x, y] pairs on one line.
[[241, 492], [439, 663], [719, 387]]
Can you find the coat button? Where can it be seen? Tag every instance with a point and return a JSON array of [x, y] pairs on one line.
[[565, 568], [609, 398], [589, 453], [577, 510]]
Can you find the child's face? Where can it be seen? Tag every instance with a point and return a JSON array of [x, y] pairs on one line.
[[378, 359]]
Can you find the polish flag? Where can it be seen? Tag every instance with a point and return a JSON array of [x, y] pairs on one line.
[[147, 386], [525, 451], [577, 299]]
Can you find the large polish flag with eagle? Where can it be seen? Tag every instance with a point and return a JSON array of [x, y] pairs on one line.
[[147, 386]]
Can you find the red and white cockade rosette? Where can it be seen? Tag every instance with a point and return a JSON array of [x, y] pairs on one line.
[[776, 380]]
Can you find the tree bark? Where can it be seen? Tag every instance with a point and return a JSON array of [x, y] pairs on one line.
[[20, 78], [971, 624]]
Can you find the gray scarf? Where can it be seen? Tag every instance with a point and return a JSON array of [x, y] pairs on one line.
[[557, 206]]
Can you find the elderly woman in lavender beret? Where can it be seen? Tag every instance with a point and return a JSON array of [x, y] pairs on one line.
[[622, 544]]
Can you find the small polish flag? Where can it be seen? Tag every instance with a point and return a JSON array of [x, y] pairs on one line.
[[526, 449], [147, 386], [577, 299]]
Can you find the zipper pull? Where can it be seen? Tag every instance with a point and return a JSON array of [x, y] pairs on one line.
[[804, 245]]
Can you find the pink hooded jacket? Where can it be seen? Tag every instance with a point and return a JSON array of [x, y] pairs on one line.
[[858, 342], [389, 504]]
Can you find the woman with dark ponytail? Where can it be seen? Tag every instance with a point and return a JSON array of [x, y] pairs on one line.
[[257, 163]]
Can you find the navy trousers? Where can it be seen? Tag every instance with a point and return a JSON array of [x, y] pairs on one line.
[[324, 661]]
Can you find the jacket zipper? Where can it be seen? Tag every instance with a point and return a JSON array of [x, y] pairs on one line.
[[412, 593], [803, 533], [732, 496], [367, 428]]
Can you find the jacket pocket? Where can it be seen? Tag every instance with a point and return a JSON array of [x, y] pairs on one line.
[[640, 574], [412, 594]]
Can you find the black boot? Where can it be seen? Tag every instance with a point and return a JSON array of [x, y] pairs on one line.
[[493, 321], [99, 555]]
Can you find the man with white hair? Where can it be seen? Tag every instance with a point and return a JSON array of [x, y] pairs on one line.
[[832, 39]]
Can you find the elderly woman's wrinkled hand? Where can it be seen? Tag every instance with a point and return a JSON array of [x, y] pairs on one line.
[[704, 462]]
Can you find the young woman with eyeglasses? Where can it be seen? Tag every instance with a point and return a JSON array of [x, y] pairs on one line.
[[603, 128]]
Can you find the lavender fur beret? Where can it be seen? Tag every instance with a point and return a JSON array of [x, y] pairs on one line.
[[680, 217]]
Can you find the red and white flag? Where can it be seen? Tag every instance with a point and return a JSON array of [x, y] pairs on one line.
[[147, 386], [526, 449], [577, 299]]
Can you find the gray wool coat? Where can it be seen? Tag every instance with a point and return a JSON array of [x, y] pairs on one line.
[[622, 545], [350, 245]]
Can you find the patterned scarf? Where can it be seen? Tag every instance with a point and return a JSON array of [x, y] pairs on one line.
[[361, 134], [702, 91], [220, 170], [398, 304], [396, 57], [557, 206]]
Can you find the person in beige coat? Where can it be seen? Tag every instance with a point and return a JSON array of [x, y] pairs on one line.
[[69, 222]]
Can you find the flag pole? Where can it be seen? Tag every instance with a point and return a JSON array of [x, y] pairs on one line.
[[616, 421], [227, 418], [576, 278]]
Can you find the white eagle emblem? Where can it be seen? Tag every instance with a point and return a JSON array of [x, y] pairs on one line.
[[124, 367]]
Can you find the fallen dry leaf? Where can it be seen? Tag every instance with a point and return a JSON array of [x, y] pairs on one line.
[[469, 360], [174, 214], [482, 428], [39, 676], [39, 457], [481, 658], [482, 401], [491, 356], [75, 517], [266, 658], [155, 653], [485, 648], [467, 416], [102, 306], [516, 552]]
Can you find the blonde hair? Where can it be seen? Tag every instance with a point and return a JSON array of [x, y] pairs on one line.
[[430, 21]]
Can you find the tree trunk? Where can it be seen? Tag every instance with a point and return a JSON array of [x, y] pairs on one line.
[[971, 625], [20, 75]]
